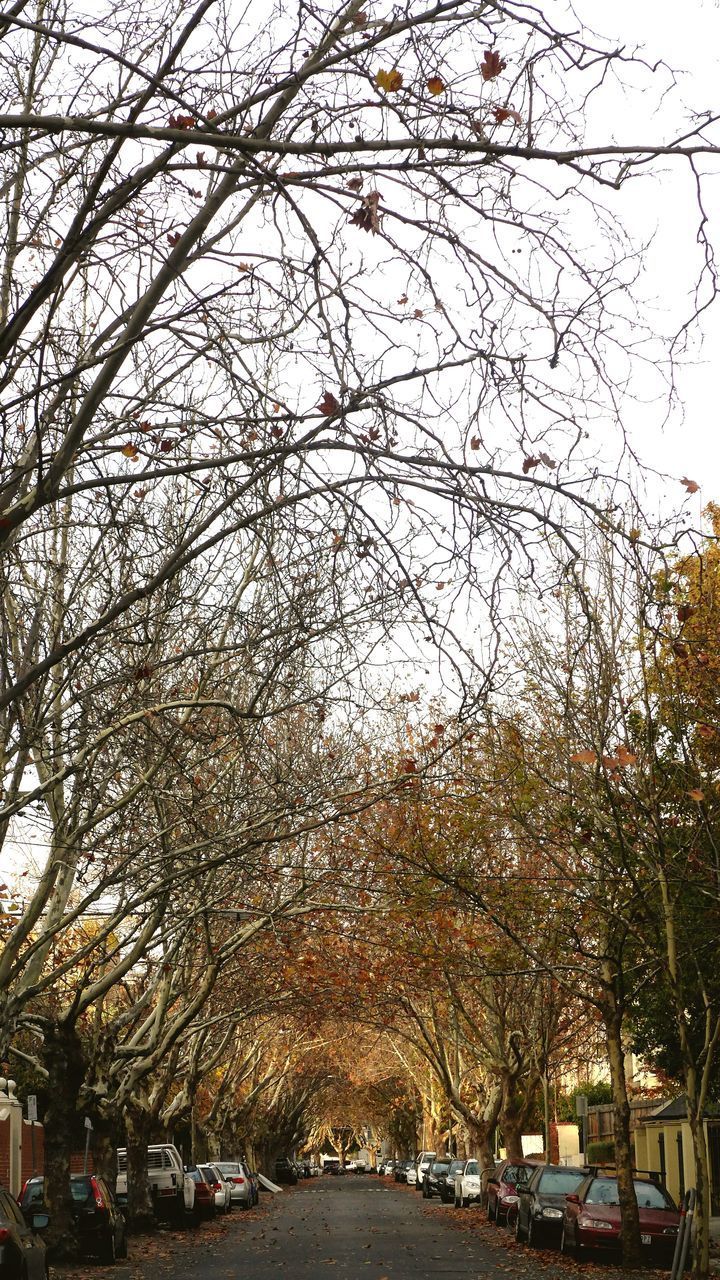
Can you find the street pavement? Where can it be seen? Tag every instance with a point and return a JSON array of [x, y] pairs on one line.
[[357, 1228]]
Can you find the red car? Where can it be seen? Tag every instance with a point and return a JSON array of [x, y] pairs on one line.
[[204, 1196], [592, 1218], [502, 1188]]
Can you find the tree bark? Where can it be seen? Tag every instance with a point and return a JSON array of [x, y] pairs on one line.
[[630, 1221], [141, 1212], [63, 1058]]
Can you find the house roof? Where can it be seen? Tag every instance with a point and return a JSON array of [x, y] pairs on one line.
[[677, 1109]]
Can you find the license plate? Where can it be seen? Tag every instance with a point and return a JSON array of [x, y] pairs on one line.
[[646, 1239]]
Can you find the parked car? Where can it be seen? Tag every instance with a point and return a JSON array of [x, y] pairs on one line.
[[502, 1188], [411, 1175], [22, 1250], [446, 1181], [172, 1188], [436, 1169], [592, 1218], [220, 1187], [241, 1192], [468, 1184], [204, 1196], [101, 1226], [285, 1171], [400, 1171], [422, 1164], [541, 1202]]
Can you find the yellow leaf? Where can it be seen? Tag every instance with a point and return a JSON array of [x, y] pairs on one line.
[[697, 794], [129, 450], [435, 85], [389, 81]]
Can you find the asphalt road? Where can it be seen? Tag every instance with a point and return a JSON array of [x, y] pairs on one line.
[[357, 1228]]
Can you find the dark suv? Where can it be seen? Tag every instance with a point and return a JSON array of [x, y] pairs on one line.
[[22, 1252], [285, 1171], [100, 1222]]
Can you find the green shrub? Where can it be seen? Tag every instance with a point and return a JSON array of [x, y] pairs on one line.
[[601, 1152]]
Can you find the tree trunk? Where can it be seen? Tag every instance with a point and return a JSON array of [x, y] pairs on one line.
[[630, 1221], [512, 1134], [105, 1142], [63, 1058], [140, 1209], [701, 1223]]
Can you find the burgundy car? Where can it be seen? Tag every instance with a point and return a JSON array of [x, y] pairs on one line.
[[204, 1196], [502, 1194], [592, 1218]]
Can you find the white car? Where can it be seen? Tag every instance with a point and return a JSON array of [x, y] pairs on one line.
[[241, 1189], [172, 1188], [411, 1176], [468, 1184], [422, 1164], [220, 1186]]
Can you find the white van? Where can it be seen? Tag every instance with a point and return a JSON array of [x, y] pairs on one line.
[[172, 1189]]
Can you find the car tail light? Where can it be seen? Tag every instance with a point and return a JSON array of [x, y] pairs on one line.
[[22, 1193], [236, 1178], [97, 1194], [4, 1235]]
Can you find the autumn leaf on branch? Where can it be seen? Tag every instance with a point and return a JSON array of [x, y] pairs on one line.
[[182, 122], [625, 757], [529, 464], [692, 486], [355, 184], [367, 217], [129, 450], [697, 795], [491, 65], [501, 114], [329, 405], [389, 81], [436, 85], [584, 757]]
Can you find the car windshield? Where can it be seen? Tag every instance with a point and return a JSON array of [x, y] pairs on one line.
[[439, 1165], [230, 1167], [471, 1166], [515, 1173], [559, 1182], [649, 1196], [208, 1175], [455, 1165]]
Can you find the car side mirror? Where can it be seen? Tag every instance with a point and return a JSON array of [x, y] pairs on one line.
[[40, 1221], [572, 1199]]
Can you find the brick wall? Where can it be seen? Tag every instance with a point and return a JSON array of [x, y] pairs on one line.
[[32, 1133]]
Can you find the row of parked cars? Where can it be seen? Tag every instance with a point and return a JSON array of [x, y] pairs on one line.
[[181, 1195], [574, 1208]]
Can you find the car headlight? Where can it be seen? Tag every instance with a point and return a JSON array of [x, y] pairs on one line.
[[551, 1213], [597, 1224], [670, 1231]]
